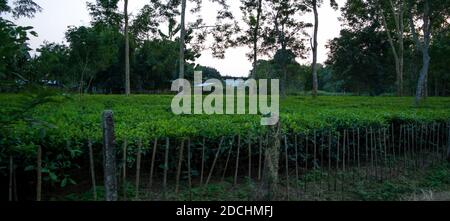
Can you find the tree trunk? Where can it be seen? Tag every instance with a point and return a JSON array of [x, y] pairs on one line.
[[127, 52], [314, 49], [255, 39], [397, 53], [182, 38], [421, 84]]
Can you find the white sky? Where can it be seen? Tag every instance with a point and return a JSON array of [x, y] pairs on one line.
[[51, 25]]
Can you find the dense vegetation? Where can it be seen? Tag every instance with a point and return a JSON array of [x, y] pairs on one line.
[[65, 126], [368, 58], [146, 117], [45, 128]]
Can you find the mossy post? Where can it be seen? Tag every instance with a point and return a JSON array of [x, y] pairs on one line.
[[109, 157], [271, 165]]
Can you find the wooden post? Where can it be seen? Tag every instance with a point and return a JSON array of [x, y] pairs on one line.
[[306, 163], [249, 158], [180, 161], [138, 169], [260, 159], [367, 154], [124, 174], [166, 167], [214, 162], [287, 165], [329, 160], [271, 163], [39, 174], [92, 166], [189, 169], [448, 142], [237, 161], [109, 157], [152, 166], [296, 163], [11, 171], [228, 160], [203, 161]]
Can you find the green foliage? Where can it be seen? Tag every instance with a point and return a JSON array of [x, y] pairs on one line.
[[355, 58]]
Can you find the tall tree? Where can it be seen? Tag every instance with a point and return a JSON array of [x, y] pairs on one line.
[[314, 5], [253, 17], [433, 14], [182, 38], [286, 36], [221, 31], [14, 48], [397, 9], [127, 52]]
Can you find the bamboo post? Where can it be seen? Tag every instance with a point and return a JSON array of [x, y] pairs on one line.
[[138, 168], [315, 155], [237, 160], [92, 166], [322, 170], [343, 150], [249, 159], [39, 174], [203, 161], [405, 152], [385, 150], [367, 154], [393, 151], [228, 160], [426, 146], [124, 169], [214, 162], [287, 165], [11, 171], [15, 184], [180, 161], [337, 162], [354, 154], [166, 166], [371, 152], [375, 152], [260, 159], [448, 142], [152, 166], [437, 140], [296, 162], [359, 147], [109, 157], [189, 169], [306, 162], [343, 162], [329, 160]]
